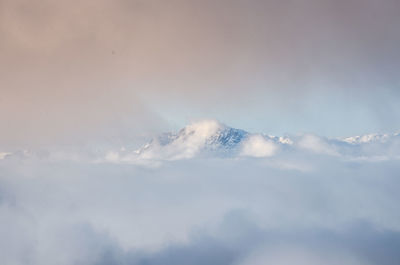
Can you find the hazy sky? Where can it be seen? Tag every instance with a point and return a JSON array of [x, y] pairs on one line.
[[79, 69]]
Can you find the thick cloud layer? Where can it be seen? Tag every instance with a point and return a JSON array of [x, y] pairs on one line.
[[309, 209]]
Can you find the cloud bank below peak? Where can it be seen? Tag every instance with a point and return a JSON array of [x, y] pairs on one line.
[[200, 211]]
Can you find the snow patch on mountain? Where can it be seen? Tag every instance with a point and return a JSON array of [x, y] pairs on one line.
[[368, 138]]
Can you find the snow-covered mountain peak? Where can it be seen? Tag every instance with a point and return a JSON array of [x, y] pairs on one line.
[[203, 133], [206, 135]]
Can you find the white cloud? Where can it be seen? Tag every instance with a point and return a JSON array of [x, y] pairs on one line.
[[317, 145], [258, 146]]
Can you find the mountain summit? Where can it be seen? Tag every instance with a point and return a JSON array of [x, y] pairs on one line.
[[207, 136], [211, 138]]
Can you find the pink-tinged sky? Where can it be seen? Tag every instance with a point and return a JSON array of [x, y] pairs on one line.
[[73, 70]]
